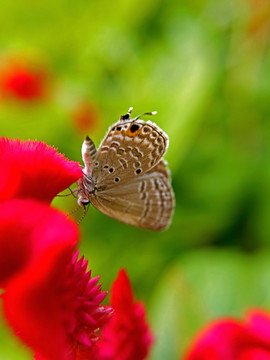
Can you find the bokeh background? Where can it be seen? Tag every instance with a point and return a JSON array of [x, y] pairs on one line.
[[69, 68]]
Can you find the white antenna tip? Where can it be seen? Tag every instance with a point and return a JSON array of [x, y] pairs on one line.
[[130, 109], [154, 112]]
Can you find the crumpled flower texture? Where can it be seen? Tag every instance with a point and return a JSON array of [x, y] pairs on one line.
[[32, 169]]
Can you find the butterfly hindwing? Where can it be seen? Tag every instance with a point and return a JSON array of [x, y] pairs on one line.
[[146, 201]]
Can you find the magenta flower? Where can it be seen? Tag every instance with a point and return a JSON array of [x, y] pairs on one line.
[[50, 300], [32, 169], [229, 339], [127, 335]]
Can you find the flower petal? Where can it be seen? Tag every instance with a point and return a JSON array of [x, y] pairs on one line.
[[35, 170], [230, 339], [49, 299], [126, 336], [32, 305], [258, 321], [255, 354], [9, 183], [36, 241], [27, 229]]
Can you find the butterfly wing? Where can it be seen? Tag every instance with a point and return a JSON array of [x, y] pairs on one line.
[[146, 201], [129, 150]]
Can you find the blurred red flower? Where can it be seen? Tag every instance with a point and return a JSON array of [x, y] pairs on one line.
[[23, 81], [34, 169], [86, 117], [50, 300], [127, 335], [229, 339]]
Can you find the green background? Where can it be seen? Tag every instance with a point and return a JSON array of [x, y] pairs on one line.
[[205, 67]]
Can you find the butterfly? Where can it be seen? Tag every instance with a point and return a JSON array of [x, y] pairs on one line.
[[126, 177]]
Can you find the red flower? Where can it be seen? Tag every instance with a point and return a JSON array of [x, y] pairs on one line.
[[34, 169], [22, 81], [86, 117], [228, 339], [126, 336], [49, 299]]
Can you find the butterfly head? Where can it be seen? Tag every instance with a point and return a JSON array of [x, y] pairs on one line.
[[127, 115]]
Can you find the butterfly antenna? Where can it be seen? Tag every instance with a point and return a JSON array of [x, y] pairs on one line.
[[83, 216], [146, 113]]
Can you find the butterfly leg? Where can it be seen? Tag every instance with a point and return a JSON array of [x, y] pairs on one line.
[[74, 193]]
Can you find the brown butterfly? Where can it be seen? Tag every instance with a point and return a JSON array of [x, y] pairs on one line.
[[126, 177]]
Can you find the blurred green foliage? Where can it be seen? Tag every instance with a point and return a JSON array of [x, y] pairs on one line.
[[205, 66]]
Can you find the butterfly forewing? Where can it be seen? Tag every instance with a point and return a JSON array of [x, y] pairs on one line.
[[129, 150], [146, 201]]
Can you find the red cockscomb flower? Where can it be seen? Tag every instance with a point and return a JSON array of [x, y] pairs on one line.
[[22, 81], [50, 300], [126, 336], [34, 169], [229, 339]]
